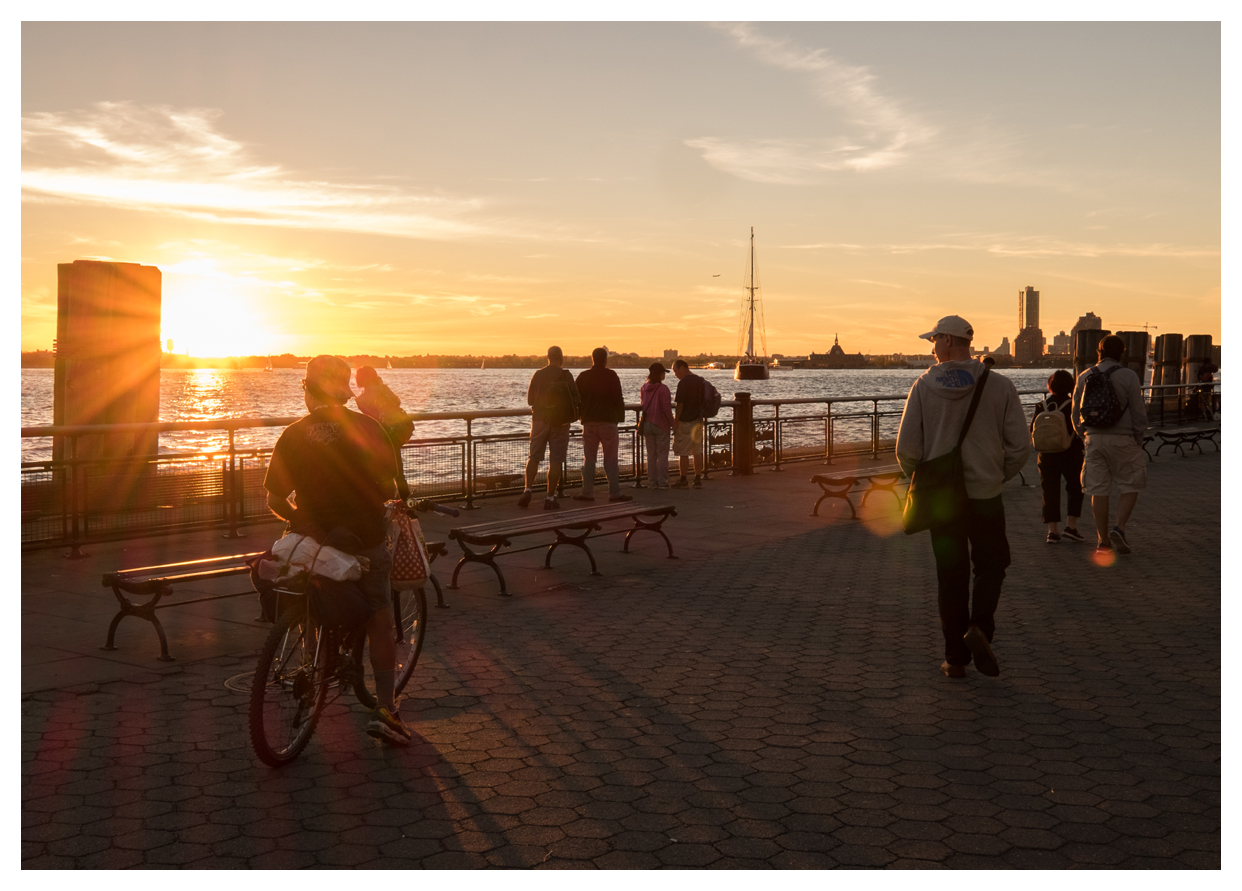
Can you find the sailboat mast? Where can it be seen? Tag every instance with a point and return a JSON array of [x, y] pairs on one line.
[[750, 334]]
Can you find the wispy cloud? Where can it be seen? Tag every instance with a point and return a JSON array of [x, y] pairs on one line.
[[1008, 244], [157, 158], [880, 132]]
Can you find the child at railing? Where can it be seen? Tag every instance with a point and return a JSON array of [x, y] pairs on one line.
[[377, 401]]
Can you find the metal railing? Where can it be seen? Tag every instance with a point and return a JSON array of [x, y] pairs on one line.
[[72, 501]]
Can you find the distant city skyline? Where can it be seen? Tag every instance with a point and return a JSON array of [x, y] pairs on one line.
[[494, 188]]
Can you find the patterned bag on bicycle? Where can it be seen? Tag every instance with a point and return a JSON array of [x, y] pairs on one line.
[[408, 548]]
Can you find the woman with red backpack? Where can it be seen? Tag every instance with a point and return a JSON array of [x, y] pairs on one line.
[[1060, 454]]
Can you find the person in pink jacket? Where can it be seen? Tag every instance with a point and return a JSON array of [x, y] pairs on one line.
[[656, 424]]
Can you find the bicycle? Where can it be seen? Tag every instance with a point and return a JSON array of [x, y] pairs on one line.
[[302, 659]]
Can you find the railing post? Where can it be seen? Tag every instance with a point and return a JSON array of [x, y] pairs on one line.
[[231, 489], [743, 435], [776, 438], [640, 448], [468, 469], [75, 486], [875, 430], [828, 434]]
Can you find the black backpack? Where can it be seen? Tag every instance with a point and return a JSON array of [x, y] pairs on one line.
[[1100, 406]]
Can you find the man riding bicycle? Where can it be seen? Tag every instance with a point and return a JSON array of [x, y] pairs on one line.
[[341, 467]]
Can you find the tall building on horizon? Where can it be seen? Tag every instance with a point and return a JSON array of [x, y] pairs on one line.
[[1029, 344], [1028, 308]]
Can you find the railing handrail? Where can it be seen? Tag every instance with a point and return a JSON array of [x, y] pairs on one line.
[[474, 415]]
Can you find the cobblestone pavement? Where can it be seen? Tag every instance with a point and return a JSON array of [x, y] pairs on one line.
[[773, 699]]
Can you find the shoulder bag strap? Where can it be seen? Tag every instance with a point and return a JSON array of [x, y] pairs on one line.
[[974, 404]]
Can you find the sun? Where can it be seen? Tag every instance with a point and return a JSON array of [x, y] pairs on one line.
[[213, 315]]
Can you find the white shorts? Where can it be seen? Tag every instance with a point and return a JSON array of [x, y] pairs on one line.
[[1113, 459], [687, 437]]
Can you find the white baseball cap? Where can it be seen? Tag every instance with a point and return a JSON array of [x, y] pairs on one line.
[[955, 325]]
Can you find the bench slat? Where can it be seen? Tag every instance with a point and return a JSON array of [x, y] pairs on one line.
[[858, 473], [553, 520]]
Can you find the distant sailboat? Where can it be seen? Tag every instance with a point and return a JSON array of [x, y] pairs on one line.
[[269, 364], [390, 363], [483, 365], [751, 367]]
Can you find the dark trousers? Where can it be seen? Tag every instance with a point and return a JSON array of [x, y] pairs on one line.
[[978, 537], [1053, 467]]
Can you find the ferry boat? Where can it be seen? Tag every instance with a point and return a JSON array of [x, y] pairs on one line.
[[751, 367]]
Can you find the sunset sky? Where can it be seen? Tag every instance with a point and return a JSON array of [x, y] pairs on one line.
[[495, 188]]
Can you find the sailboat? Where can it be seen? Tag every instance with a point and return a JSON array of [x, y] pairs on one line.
[[751, 367], [390, 364], [268, 367]]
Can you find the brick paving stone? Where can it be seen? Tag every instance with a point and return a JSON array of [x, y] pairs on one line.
[[731, 711]]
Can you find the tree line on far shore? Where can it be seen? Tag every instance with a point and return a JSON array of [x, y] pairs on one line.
[[46, 359]]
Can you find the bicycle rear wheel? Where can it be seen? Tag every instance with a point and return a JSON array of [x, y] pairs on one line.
[[288, 690], [410, 613]]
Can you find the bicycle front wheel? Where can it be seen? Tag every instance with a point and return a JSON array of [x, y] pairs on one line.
[[410, 612], [288, 690]]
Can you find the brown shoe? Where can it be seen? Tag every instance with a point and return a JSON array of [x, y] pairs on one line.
[[985, 659], [953, 671]]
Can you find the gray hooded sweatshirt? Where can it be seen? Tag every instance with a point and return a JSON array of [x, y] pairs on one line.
[[996, 447]]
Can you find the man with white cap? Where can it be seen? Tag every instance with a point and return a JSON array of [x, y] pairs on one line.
[[342, 467], [994, 450]]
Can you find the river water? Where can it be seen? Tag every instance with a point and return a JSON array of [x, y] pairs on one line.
[[192, 395]]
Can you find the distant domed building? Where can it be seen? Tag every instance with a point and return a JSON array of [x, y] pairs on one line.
[[837, 357]]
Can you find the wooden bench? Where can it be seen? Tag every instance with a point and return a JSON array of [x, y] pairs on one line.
[[158, 582], [839, 485], [1188, 436], [500, 534]]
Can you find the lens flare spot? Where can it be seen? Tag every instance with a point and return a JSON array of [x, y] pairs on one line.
[[1104, 557]]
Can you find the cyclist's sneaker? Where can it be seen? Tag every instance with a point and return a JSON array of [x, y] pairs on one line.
[[388, 727]]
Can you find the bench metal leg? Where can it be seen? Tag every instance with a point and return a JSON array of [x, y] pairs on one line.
[[578, 541], [836, 489], [881, 485], [142, 611], [640, 525], [469, 556], [435, 583]]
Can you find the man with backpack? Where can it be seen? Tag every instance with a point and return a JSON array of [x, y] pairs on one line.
[[959, 405], [553, 398], [689, 409], [603, 408], [1109, 415]]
